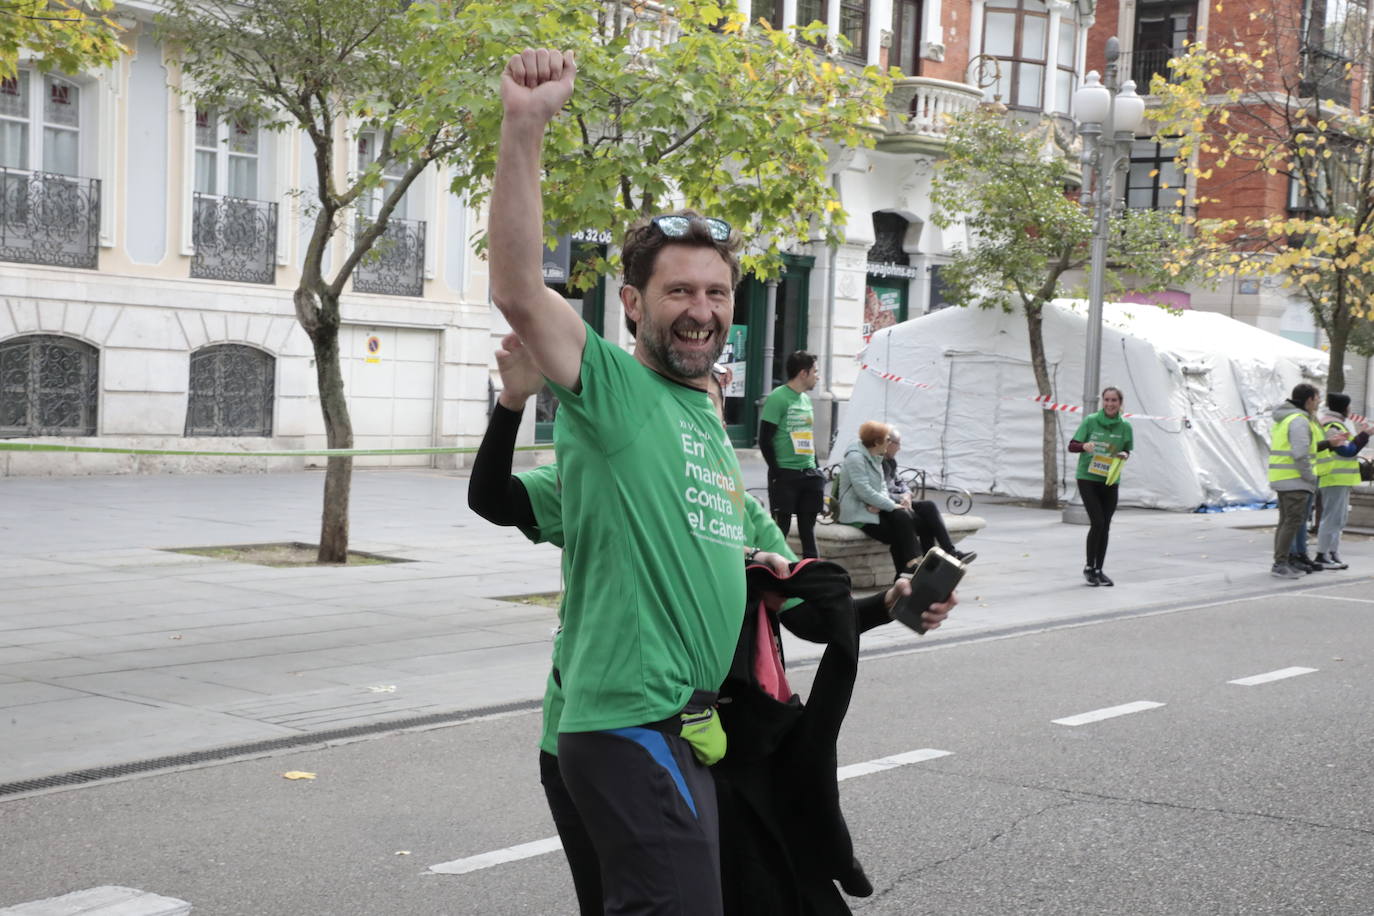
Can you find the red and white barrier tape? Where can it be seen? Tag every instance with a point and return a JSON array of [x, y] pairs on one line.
[[1046, 403]]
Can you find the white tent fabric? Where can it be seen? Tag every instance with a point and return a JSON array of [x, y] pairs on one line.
[[964, 399]]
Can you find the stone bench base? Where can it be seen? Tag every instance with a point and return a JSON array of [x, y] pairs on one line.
[[870, 562]]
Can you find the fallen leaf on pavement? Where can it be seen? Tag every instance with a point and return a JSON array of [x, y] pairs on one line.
[[298, 774]]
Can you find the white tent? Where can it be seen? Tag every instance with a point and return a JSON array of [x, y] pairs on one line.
[[959, 386]]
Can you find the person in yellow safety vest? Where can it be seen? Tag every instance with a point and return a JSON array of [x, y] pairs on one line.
[[1337, 471], [1293, 475]]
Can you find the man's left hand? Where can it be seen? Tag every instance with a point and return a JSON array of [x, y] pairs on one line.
[[775, 561], [932, 617]]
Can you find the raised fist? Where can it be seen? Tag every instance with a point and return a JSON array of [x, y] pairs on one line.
[[537, 82]]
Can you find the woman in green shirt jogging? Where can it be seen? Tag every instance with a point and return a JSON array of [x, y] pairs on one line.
[[1103, 441]]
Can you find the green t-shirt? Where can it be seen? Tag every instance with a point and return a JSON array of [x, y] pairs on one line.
[[795, 441], [546, 500], [1099, 428], [653, 528]]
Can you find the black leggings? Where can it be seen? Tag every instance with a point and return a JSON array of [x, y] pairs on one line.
[[806, 531], [1100, 501]]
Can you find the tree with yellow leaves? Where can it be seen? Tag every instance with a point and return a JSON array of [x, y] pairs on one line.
[[1273, 121], [63, 35]]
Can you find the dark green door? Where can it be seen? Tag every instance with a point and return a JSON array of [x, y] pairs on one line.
[[789, 335]]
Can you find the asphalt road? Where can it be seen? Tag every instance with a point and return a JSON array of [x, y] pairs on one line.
[[1225, 799]]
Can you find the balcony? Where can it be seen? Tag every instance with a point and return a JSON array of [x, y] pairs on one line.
[[919, 110], [49, 219], [1326, 76], [396, 264], [235, 239], [1142, 65]]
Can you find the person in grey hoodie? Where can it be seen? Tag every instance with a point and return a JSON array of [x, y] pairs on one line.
[[1292, 474]]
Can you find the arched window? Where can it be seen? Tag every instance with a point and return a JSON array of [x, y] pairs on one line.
[[48, 386], [232, 391]]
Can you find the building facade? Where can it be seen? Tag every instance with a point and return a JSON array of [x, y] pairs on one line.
[[149, 248]]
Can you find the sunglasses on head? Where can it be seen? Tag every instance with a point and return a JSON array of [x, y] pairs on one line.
[[675, 226]]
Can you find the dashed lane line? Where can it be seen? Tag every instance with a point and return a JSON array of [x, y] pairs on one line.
[[552, 844], [498, 857], [1270, 676], [888, 763], [1111, 712]]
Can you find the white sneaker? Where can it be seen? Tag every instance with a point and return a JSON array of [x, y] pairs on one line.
[[1335, 562]]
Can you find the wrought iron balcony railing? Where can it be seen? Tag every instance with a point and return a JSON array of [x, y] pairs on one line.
[[49, 219], [1141, 65], [923, 106], [396, 264], [235, 239]]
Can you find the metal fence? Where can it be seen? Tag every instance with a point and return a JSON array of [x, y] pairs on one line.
[[49, 219]]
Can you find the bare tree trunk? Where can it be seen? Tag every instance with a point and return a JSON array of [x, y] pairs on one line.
[[338, 427], [1338, 333], [1049, 439]]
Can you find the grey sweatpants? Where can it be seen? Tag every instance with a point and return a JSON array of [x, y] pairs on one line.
[[1335, 511]]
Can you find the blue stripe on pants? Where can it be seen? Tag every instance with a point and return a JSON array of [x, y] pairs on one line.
[[653, 742]]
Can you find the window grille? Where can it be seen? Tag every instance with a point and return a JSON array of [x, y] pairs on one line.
[[232, 391], [48, 386]]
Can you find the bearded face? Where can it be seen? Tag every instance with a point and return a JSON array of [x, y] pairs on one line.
[[684, 312]]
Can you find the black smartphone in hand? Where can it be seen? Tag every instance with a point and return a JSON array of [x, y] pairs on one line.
[[933, 582]]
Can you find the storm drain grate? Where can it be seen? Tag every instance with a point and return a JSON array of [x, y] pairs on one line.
[[96, 774]]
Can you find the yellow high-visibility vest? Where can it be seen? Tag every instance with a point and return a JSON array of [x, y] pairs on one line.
[[1336, 470], [1282, 466]]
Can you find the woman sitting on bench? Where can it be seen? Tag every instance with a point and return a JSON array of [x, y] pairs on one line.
[[865, 503]]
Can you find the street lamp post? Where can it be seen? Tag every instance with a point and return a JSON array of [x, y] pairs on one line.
[[1107, 119]]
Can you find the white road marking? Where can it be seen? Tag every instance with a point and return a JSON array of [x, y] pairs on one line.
[[109, 898], [888, 763], [552, 844], [1279, 675], [1336, 597], [500, 856], [1111, 712]]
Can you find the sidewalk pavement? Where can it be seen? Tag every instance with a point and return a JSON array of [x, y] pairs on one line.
[[114, 651]]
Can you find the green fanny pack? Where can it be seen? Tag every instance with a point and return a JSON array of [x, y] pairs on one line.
[[701, 728]]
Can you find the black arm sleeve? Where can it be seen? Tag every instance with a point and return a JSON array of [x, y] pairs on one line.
[[492, 492], [871, 612], [766, 433]]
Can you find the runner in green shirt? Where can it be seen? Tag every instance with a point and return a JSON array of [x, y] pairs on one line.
[[787, 439], [1103, 442], [653, 517]]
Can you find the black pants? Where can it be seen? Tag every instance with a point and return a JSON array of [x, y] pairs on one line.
[[800, 493], [577, 845], [930, 526], [650, 810], [1100, 502], [896, 529]]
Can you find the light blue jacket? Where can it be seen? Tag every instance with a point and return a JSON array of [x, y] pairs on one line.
[[861, 485]]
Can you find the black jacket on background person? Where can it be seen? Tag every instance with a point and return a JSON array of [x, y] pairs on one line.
[[784, 840]]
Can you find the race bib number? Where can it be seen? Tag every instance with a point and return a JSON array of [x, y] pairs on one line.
[[803, 443], [1103, 466]]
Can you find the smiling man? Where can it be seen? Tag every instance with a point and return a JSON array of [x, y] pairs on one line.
[[653, 518]]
